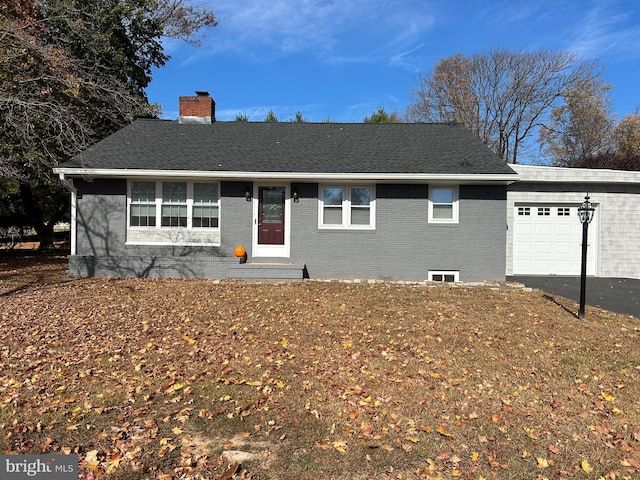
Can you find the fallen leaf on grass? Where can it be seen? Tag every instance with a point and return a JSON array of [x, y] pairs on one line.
[[91, 460], [607, 395], [631, 462], [340, 446], [542, 462], [407, 447], [231, 471], [168, 448], [586, 467]]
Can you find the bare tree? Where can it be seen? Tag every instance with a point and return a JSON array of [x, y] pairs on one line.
[[581, 126], [501, 95], [71, 73]]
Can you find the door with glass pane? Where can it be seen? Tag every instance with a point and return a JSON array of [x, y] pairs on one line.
[[271, 215], [271, 220]]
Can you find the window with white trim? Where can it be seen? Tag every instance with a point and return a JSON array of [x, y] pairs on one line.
[[205, 205], [347, 206], [174, 204], [158, 206], [444, 276], [443, 204], [143, 204]]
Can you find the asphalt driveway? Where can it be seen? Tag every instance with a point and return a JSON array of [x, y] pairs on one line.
[[620, 295]]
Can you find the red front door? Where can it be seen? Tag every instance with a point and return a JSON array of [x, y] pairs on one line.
[[271, 215]]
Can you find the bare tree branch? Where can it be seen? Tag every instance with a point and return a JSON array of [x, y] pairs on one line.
[[501, 95]]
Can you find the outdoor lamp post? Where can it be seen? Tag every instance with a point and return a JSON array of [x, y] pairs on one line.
[[585, 213]]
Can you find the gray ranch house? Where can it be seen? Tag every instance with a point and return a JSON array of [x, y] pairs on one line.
[[166, 198]]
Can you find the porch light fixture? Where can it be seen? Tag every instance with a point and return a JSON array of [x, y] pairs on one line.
[[294, 195], [247, 194], [585, 214]]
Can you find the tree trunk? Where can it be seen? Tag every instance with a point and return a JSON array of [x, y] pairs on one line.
[[35, 219]]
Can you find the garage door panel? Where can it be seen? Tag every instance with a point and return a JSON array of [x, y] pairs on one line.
[[545, 265], [523, 229], [543, 249], [565, 230], [543, 229], [550, 244], [565, 248], [563, 267], [524, 248]]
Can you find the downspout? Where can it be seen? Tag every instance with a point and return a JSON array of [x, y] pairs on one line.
[[68, 184]]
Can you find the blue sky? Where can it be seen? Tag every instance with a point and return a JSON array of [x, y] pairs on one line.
[[341, 59]]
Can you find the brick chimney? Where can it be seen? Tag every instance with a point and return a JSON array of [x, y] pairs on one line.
[[198, 109]]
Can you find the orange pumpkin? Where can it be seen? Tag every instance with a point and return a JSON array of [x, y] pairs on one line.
[[239, 251]]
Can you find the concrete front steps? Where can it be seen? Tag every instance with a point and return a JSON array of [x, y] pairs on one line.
[[267, 271]]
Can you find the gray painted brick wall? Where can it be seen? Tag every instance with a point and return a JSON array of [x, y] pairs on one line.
[[101, 216], [404, 246]]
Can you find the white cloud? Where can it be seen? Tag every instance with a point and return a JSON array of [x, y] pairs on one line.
[[497, 14], [607, 30], [352, 31]]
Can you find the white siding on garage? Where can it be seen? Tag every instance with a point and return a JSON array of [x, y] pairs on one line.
[[615, 231]]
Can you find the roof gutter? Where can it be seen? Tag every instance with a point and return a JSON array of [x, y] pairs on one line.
[[66, 182], [292, 176]]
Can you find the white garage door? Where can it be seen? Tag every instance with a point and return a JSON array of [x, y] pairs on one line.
[[547, 240]]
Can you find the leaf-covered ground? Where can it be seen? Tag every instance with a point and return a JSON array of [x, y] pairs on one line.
[[167, 379]]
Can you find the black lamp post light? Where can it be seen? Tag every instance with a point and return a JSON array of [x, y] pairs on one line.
[[585, 213]]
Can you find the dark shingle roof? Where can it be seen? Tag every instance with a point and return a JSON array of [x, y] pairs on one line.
[[293, 147]]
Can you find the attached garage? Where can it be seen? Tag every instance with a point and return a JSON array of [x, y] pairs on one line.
[[544, 234], [547, 240]]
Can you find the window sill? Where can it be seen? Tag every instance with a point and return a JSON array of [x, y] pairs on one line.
[[364, 228], [172, 244], [444, 222], [173, 236]]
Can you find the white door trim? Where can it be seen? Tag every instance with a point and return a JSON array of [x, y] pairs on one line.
[[278, 251]]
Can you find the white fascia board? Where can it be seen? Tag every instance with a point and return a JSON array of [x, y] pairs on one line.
[[292, 176]]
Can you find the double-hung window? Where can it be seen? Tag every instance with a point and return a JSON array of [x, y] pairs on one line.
[[174, 204], [205, 205], [347, 206], [143, 204], [443, 204], [173, 212]]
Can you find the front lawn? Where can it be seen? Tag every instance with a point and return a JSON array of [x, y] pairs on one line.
[[148, 378]]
